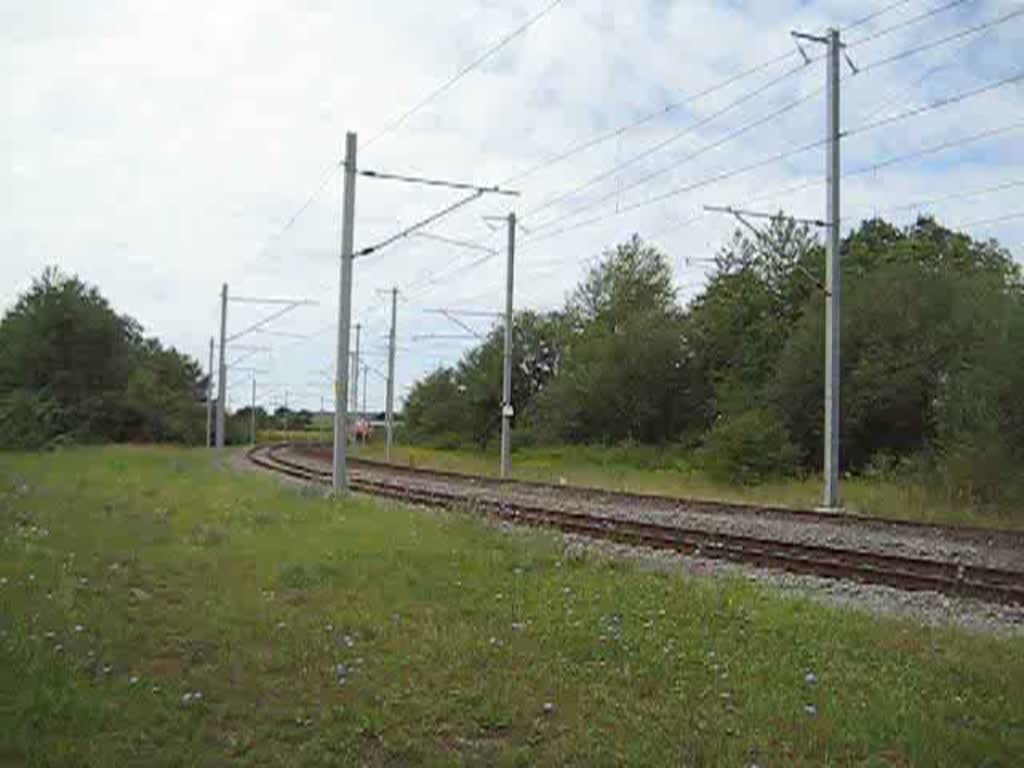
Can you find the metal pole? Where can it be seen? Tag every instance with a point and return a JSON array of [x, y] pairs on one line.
[[831, 495], [366, 371], [506, 399], [209, 400], [348, 211], [222, 371], [252, 413], [355, 371], [390, 405]]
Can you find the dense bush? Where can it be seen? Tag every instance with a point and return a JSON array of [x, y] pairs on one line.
[[71, 369], [29, 420], [748, 448]]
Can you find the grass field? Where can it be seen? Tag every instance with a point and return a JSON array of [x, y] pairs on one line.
[[158, 608], [649, 469]]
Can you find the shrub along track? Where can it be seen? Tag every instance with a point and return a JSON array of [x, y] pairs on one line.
[[452, 491]]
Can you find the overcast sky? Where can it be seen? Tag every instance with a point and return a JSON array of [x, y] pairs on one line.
[[158, 149]]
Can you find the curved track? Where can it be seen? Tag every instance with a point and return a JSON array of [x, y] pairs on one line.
[[966, 533], [908, 573]]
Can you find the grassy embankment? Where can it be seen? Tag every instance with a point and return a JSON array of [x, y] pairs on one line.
[[345, 633], [649, 469]]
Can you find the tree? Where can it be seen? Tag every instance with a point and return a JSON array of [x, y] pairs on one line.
[[435, 409], [759, 288], [623, 371], [88, 373], [926, 318], [63, 341], [632, 279], [464, 403]]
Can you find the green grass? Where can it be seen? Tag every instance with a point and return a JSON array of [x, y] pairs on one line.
[[179, 572], [294, 435], [649, 469]]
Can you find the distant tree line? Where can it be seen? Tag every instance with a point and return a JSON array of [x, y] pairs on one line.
[[932, 369], [281, 418], [73, 370]]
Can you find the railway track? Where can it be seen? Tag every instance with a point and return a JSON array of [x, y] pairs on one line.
[[907, 573], [962, 532]]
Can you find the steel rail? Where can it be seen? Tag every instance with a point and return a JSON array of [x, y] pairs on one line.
[[907, 573], [706, 506]]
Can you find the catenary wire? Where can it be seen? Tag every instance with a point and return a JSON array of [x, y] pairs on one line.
[[721, 176], [613, 170], [437, 277], [870, 38], [396, 123], [869, 126], [977, 28], [614, 133]]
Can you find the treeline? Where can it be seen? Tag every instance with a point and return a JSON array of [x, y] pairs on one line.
[[281, 419], [932, 368], [73, 370]]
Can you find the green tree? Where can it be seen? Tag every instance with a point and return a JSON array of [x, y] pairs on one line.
[[88, 373], [758, 289], [435, 409], [623, 372], [464, 403], [749, 448], [926, 319]]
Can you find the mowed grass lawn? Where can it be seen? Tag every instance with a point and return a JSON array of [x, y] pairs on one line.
[[668, 471], [159, 608]]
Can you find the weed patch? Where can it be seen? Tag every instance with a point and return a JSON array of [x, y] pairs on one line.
[[305, 576], [209, 535]]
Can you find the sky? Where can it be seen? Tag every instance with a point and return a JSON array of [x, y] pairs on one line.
[[161, 149]]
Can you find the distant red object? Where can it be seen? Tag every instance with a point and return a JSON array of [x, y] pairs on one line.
[[362, 430]]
